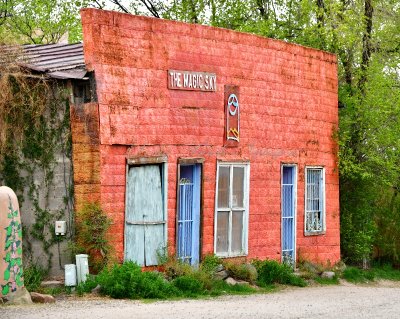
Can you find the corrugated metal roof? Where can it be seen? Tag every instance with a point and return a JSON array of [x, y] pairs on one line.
[[62, 61]]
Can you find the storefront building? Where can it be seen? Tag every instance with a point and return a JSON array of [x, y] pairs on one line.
[[206, 140]]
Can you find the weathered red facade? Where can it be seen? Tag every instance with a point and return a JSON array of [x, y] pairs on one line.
[[289, 114]]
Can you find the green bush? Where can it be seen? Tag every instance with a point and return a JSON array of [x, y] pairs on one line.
[[152, 285], [189, 285], [128, 281], [33, 276], [271, 271], [87, 286], [92, 225]]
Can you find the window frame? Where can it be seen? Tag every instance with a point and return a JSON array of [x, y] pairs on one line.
[[246, 196], [322, 192]]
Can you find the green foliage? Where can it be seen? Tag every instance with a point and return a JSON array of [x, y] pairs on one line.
[[357, 224], [387, 240], [174, 268], [33, 276], [271, 272], [386, 272], [210, 263], [357, 275], [128, 281], [92, 225], [189, 284], [86, 286], [327, 281], [220, 287], [42, 21]]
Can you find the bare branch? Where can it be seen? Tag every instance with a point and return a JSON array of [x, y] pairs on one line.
[[151, 7], [120, 5], [99, 5]]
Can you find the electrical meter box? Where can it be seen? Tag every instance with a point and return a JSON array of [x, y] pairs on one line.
[[61, 227]]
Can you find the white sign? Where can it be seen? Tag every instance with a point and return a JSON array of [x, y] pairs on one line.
[[190, 80]]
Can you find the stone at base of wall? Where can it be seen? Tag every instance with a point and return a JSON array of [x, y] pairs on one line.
[[41, 298], [20, 297]]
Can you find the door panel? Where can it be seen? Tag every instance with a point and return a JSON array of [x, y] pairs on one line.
[[188, 224], [144, 221], [288, 214], [134, 240]]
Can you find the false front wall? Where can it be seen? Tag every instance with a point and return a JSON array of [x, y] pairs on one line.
[[174, 91]]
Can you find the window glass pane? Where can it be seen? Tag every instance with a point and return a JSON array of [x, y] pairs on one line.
[[222, 232], [314, 204], [237, 232], [287, 201], [238, 189], [223, 187]]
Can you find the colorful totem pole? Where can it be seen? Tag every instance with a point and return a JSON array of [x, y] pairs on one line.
[[11, 271]]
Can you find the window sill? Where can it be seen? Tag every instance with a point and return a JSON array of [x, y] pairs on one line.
[[315, 233], [231, 256]]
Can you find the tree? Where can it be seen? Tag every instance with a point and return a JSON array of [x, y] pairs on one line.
[[40, 21]]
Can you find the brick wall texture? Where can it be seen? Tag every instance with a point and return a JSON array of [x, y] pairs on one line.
[[289, 114]]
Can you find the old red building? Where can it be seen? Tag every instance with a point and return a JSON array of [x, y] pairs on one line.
[[207, 140]]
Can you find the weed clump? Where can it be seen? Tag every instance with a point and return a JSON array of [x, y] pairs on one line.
[[271, 272], [33, 276], [245, 272], [357, 275]]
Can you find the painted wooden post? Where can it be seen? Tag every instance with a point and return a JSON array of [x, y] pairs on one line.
[[11, 271]]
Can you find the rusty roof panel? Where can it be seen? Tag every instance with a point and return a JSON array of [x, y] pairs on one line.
[[57, 60]]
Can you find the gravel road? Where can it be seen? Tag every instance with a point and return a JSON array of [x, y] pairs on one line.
[[343, 301]]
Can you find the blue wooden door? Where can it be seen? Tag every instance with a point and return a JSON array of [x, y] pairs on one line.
[[288, 214], [144, 218], [188, 216]]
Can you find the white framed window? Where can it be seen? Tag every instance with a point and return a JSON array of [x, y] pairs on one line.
[[314, 223], [231, 209]]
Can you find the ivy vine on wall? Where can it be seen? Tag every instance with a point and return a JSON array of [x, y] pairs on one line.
[[34, 131]]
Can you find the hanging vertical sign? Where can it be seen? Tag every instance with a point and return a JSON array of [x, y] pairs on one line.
[[232, 115]]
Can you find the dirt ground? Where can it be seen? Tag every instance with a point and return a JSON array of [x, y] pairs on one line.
[[378, 300]]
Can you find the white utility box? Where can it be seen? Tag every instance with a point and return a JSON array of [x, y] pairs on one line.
[[82, 267], [70, 275], [61, 227]]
